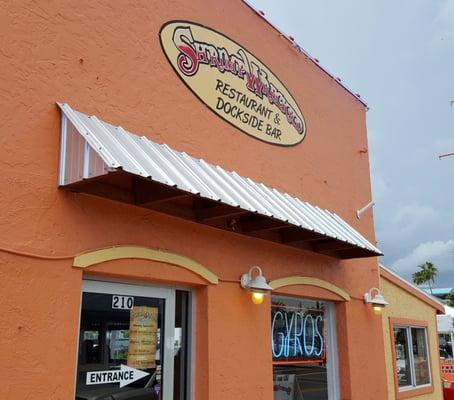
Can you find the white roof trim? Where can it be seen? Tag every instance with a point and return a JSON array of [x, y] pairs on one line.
[[420, 291]]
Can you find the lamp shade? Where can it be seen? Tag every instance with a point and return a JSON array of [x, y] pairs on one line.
[[379, 301], [258, 284]]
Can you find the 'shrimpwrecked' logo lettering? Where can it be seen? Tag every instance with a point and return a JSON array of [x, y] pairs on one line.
[[193, 53], [233, 83]]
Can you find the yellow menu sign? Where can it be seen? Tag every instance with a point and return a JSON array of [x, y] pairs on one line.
[[233, 83], [143, 327]]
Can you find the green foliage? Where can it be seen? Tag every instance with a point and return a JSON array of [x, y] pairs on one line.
[[419, 278], [450, 299], [427, 274]]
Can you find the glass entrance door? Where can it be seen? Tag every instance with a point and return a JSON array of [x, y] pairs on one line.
[[126, 342]]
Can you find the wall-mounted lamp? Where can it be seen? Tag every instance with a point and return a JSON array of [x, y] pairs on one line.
[[257, 285], [361, 211], [378, 302]]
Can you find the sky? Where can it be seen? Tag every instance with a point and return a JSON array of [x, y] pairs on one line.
[[399, 55]]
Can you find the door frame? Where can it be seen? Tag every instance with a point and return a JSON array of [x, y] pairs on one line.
[[333, 354], [93, 285]]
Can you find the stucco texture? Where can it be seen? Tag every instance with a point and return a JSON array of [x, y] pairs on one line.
[[404, 305], [104, 58]]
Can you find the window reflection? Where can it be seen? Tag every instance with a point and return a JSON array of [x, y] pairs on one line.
[[412, 363], [402, 357], [120, 334], [422, 375], [114, 337], [299, 349], [300, 382]]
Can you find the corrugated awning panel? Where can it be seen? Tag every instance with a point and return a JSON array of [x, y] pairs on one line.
[[122, 152]]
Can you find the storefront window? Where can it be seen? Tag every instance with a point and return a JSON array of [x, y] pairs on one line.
[[124, 345], [402, 357], [412, 363], [300, 344]]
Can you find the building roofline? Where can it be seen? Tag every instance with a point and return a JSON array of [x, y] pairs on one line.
[[301, 50], [394, 278], [440, 291]]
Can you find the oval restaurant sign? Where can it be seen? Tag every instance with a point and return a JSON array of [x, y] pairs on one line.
[[233, 83]]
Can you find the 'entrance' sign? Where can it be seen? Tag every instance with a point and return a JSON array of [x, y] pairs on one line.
[[124, 376], [233, 83]]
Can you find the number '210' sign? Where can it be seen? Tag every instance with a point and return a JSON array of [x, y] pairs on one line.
[[122, 302]]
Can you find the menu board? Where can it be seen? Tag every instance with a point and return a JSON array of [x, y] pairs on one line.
[[143, 327]]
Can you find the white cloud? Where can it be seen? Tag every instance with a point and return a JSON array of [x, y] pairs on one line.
[[380, 187], [412, 218], [444, 144], [446, 13], [413, 223], [405, 73], [439, 252], [444, 26]]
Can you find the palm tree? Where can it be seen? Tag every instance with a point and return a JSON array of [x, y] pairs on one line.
[[428, 272], [419, 278]]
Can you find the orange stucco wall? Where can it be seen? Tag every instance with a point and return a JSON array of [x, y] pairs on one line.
[[104, 58]]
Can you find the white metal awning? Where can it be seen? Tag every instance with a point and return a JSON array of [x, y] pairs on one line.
[[105, 160]]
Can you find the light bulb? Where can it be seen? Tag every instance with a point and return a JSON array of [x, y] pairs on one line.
[[378, 310], [257, 298]]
